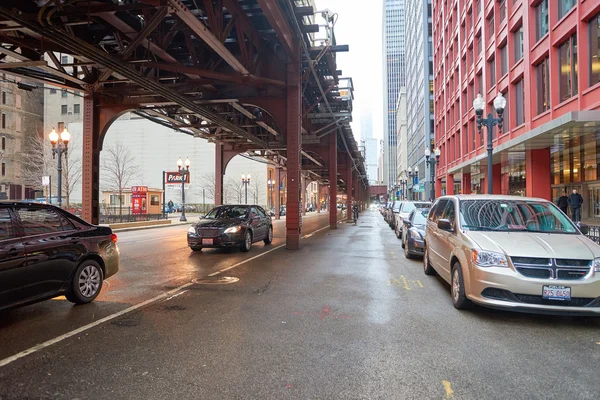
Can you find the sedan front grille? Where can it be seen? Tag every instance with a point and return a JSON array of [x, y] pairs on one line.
[[550, 268], [209, 232]]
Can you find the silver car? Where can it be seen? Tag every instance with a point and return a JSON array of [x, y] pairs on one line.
[[513, 253]]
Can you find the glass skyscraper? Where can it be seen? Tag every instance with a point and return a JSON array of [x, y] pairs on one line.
[[394, 78]]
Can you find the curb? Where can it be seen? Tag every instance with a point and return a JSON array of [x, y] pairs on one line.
[[141, 228]]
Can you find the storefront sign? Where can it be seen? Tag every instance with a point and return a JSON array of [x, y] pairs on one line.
[[174, 178], [139, 199]]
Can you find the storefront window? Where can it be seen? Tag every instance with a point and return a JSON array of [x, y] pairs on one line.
[[595, 50], [541, 14], [543, 86], [589, 160], [568, 68]]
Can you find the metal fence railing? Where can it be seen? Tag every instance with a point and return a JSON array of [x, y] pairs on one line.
[[113, 219], [594, 233]]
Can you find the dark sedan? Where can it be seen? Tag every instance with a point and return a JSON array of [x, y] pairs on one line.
[[413, 232], [47, 252], [231, 226]]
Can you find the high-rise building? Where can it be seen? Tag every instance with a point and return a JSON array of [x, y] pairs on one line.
[[371, 144], [393, 79], [419, 89], [401, 149], [21, 138], [544, 58]]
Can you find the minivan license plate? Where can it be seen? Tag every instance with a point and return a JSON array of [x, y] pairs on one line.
[[207, 241], [556, 292]]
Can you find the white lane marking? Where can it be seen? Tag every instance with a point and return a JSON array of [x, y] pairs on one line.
[[168, 295], [84, 328], [260, 255], [175, 295]]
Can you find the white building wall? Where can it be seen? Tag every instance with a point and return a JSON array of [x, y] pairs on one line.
[[157, 148]]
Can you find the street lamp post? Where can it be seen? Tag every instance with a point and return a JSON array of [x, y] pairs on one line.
[[432, 162], [60, 145], [246, 182], [184, 172], [412, 181], [489, 122], [270, 183]]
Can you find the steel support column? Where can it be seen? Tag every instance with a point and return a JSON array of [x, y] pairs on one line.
[[349, 183], [219, 174], [277, 192], [304, 200], [318, 205], [90, 162], [294, 147], [333, 180]]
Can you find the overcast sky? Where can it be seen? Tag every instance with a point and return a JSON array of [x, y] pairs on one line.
[[359, 26]]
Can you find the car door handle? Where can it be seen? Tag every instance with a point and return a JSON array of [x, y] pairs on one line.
[[12, 252]]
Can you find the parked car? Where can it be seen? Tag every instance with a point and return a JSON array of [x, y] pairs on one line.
[[413, 232], [406, 208], [282, 211], [47, 252], [231, 226], [512, 252], [392, 212]]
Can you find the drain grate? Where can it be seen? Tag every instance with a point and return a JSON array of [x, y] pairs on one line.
[[365, 226], [223, 280]]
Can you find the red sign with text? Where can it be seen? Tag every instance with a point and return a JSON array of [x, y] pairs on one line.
[[139, 198], [174, 178]]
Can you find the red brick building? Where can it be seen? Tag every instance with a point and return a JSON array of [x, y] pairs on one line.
[[544, 57]]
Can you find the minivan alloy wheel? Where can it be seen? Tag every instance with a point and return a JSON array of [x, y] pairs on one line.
[[89, 281], [455, 285]]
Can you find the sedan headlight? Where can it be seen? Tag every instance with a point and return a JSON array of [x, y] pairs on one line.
[[489, 259], [192, 229], [233, 229], [597, 265], [415, 234]]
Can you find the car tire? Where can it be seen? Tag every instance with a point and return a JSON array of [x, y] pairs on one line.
[[86, 283], [196, 248], [406, 251], [245, 247], [427, 267], [397, 233], [457, 288], [269, 238]]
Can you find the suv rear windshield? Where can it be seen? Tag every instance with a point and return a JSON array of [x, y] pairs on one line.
[[514, 216]]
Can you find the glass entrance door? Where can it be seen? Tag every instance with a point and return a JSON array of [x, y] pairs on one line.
[[594, 195]]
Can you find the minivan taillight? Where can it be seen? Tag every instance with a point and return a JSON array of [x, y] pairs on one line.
[[113, 237]]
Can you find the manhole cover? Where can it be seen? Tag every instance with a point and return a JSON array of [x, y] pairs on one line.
[[224, 280]]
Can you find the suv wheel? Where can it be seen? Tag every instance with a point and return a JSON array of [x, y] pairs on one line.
[[427, 268], [86, 283], [269, 238], [406, 250], [457, 287]]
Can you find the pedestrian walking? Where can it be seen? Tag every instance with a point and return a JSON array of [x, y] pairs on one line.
[[170, 204], [575, 202], [563, 202]]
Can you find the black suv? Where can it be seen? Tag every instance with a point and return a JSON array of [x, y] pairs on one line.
[[47, 252]]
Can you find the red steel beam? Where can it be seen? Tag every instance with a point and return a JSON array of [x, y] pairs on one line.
[[279, 23]]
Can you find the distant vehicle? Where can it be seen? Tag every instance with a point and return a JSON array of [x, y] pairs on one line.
[[47, 252], [511, 252], [405, 209], [231, 226]]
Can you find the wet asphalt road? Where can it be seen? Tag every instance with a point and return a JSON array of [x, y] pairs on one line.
[[345, 317]]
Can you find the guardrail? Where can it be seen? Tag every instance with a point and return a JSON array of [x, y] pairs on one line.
[[594, 233], [113, 219]]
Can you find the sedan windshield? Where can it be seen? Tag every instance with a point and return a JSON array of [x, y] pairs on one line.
[[420, 217], [513, 216], [227, 212]]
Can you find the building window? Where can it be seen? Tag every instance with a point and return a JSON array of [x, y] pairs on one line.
[[543, 86], [3, 169], [154, 200], [518, 44], [3, 97], [3, 121], [64, 60], [63, 109], [64, 93], [490, 26], [492, 72], [52, 91], [519, 103], [505, 116], [541, 19], [595, 50], [564, 6], [480, 87], [567, 53], [503, 60], [3, 143], [76, 108], [479, 44], [502, 10]]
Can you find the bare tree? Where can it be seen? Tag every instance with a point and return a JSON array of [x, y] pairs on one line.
[[36, 160], [121, 170], [235, 189], [72, 171], [257, 186], [208, 185]]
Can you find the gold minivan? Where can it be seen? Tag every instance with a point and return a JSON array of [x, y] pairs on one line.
[[512, 252]]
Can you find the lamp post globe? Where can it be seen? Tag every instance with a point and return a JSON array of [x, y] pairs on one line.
[[184, 172]]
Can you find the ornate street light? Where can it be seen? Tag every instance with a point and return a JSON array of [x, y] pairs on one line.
[[184, 172], [60, 146], [489, 122], [432, 162], [246, 182], [271, 184]]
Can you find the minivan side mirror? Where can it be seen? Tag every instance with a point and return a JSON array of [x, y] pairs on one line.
[[445, 225], [585, 229], [407, 222]]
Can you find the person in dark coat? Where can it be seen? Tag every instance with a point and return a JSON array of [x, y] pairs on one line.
[[575, 202], [563, 202]]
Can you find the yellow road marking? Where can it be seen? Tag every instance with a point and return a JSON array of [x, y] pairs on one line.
[[419, 283], [449, 391], [405, 282]]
